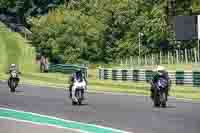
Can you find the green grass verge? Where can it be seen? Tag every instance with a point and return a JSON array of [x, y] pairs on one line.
[[3, 55]]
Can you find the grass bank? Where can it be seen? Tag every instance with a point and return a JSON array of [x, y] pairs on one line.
[[15, 49]]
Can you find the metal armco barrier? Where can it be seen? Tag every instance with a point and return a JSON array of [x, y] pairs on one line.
[[66, 68], [177, 77]]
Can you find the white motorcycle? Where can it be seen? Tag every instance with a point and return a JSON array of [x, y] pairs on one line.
[[78, 90]]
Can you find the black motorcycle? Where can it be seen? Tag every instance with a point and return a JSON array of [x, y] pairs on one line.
[[13, 80], [160, 93]]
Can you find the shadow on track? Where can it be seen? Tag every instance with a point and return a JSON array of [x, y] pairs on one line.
[[83, 104], [167, 107], [18, 91]]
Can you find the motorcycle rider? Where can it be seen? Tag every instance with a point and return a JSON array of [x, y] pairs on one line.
[[160, 72], [13, 67], [77, 80]]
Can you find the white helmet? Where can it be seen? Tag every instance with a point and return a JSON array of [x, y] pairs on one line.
[[13, 65], [160, 68]]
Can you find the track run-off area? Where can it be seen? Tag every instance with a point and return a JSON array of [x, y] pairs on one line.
[[100, 113]]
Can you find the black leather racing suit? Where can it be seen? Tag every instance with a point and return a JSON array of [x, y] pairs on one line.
[[154, 80]]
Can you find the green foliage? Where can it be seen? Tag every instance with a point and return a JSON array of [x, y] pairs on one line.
[[7, 3], [196, 6], [103, 30], [77, 36]]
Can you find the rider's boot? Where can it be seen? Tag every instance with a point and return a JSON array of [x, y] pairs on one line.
[[70, 91], [73, 94], [9, 82], [152, 94], [82, 93]]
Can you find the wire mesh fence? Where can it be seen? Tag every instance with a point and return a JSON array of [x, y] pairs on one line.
[[180, 56]]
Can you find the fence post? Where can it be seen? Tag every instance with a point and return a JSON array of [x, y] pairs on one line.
[[198, 48], [195, 55], [168, 57], [180, 57], [131, 61], [152, 59], [134, 61], [145, 59], [177, 57], [189, 55], [186, 58], [173, 58], [192, 57], [160, 57]]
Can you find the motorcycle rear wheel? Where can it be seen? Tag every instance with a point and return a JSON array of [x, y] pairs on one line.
[[79, 101], [74, 103], [164, 104]]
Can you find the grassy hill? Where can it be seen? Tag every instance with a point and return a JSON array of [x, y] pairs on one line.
[[14, 49]]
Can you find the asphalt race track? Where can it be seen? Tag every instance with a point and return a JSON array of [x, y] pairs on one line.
[[131, 113]]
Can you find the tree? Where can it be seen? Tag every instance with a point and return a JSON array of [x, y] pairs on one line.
[[7, 3], [102, 31]]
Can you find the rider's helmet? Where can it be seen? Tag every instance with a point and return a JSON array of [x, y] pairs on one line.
[[77, 74], [13, 66], [160, 70]]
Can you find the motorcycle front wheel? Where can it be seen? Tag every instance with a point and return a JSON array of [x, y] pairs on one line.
[[156, 100], [12, 85], [164, 101]]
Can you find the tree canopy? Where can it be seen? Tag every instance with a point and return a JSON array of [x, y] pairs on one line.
[[100, 30]]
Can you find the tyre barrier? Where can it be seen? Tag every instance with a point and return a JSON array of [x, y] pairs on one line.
[[177, 77], [67, 68]]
